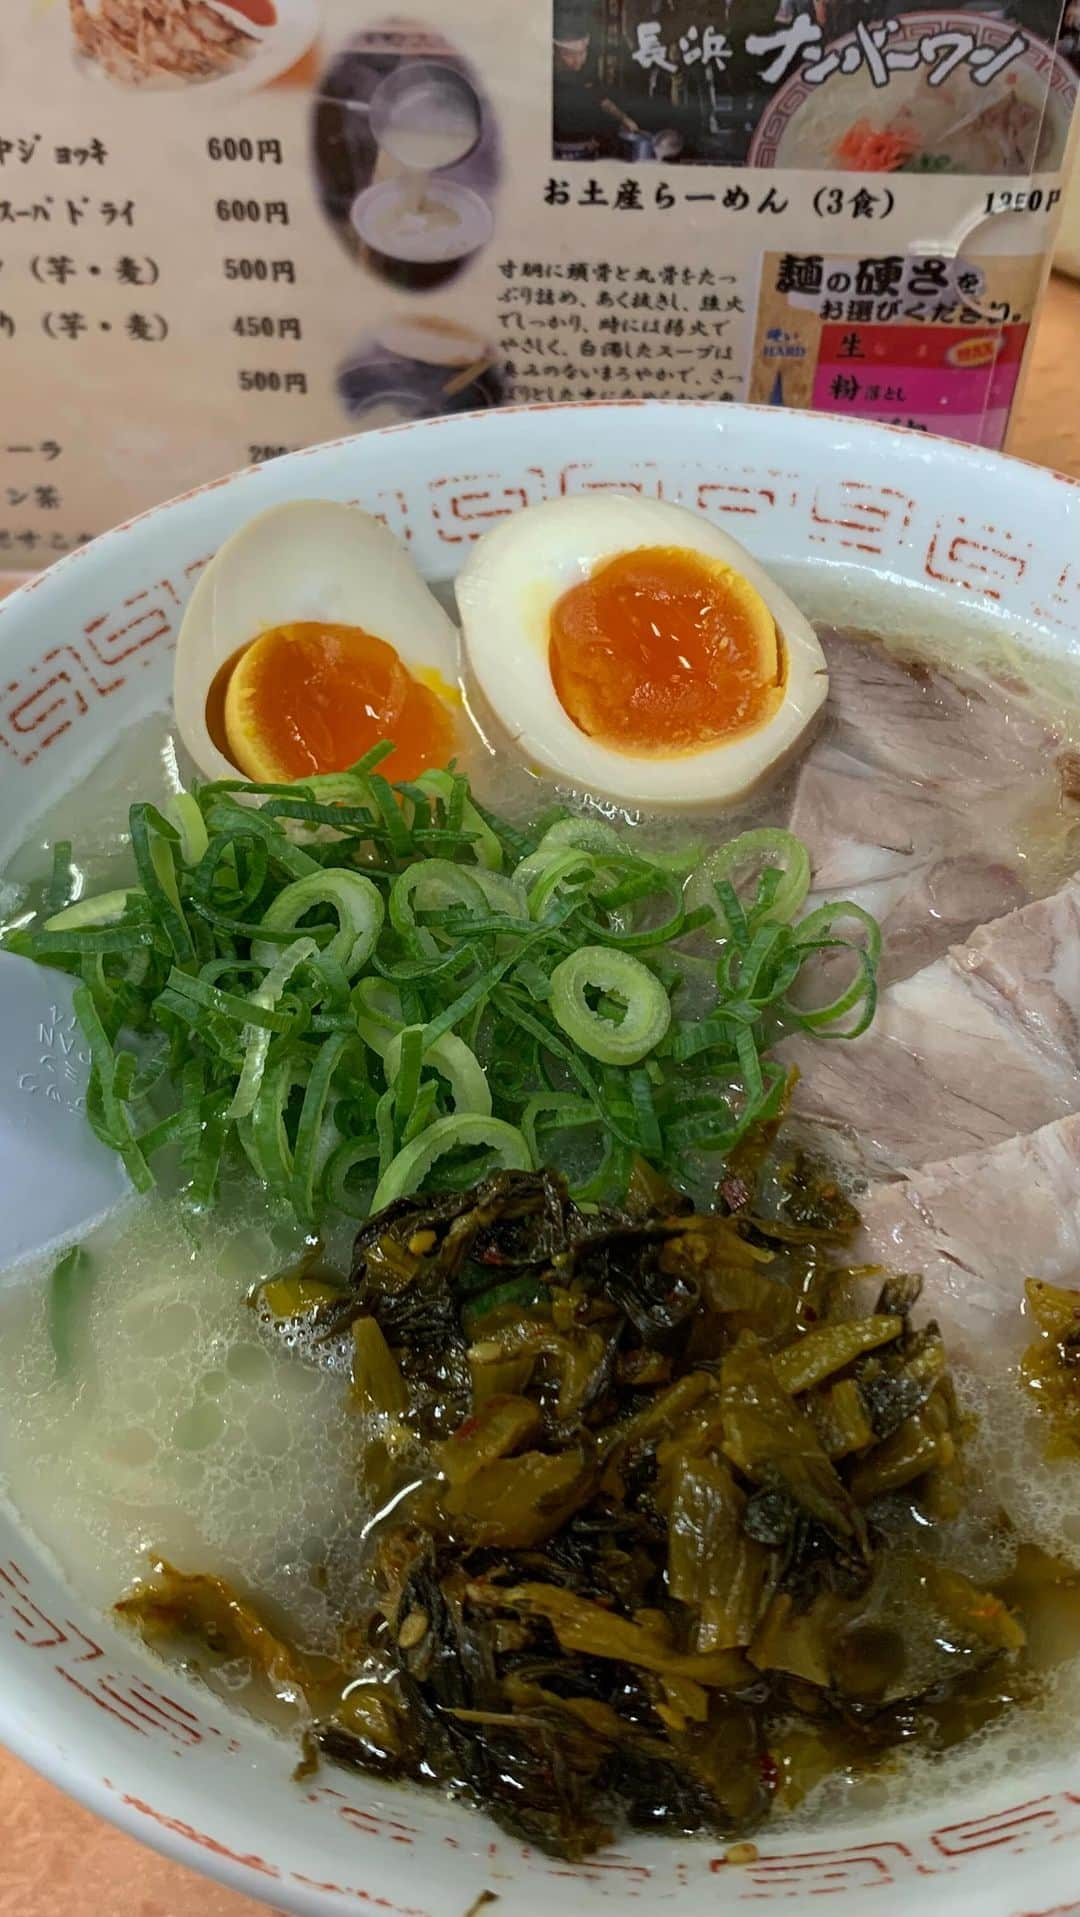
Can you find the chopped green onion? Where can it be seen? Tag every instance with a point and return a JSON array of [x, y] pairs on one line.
[[391, 816], [561, 1109], [703, 1035], [224, 854], [424, 1112], [749, 1063], [502, 894], [452, 1059], [270, 1146], [406, 971], [340, 1166], [279, 935], [61, 886], [550, 870], [152, 841], [349, 821], [467, 1131], [535, 980], [403, 1076], [357, 902], [431, 886], [256, 1037], [862, 991], [105, 909], [648, 1125], [818, 926], [108, 938], [354, 775], [69, 1282], [487, 850], [377, 1009], [731, 912], [647, 1011], [553, 1043], [184, 812], [384, 1129], [237, 821], [815, 934], [310, 1132], [209, 998], [747, 857], [584, 834], [670, 928], [116, 1127]]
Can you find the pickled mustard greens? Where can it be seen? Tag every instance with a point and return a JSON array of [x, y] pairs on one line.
[[668, 1529], [361, 987], [1051, 1366]]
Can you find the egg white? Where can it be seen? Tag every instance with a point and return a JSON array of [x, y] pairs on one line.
[[506, 592], [311, 559]]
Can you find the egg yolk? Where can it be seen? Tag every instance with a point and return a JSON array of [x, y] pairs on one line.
[[662, 650], [309, 697]]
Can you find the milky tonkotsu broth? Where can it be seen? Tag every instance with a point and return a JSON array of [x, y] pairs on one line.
[[188, 1431], [191, 1429]]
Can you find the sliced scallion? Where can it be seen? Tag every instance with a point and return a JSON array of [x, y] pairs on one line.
[[316, 971], [183, 812], [69, 1281], [256, 1037], [443, 785], [647, 1008], [463, 1132], [357, 903], [742, 862], [432, 885], [452, 1059], [105, 909]]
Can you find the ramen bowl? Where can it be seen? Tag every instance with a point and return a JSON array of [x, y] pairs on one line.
[[884, 525], [416, 368], [415, 248]]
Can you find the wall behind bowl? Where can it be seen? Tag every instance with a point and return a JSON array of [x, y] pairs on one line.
[[1067, 250], [197, 274]]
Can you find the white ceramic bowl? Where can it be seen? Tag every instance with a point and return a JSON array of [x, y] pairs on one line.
[[85, 649]]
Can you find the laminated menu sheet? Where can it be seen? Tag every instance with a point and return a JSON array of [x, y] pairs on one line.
[[229, 228]]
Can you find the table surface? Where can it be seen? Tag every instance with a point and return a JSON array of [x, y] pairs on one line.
[[60, 1860], [1046, 425]]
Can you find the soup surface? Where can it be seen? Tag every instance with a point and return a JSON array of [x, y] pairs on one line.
[[180, 1421]]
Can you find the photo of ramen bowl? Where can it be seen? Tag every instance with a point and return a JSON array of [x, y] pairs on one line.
[[918, 123], [418, 367], [418, 240], [709, 1598]]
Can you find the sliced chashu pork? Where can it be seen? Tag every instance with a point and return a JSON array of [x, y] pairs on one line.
[[939, 903], [1031, 961], [861, 826], [923, 726], [910, 856], [965, 1053], [976, 1226]]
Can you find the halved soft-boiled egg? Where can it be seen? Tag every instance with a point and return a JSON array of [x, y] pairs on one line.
[[311, 636], [634, 648]]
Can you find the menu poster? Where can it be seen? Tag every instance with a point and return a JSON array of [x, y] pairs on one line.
[[233, 227]]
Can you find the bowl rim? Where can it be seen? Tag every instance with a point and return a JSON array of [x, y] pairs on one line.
[[800, 421]]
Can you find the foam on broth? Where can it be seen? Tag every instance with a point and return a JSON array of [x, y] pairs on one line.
[[186, 1428]]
